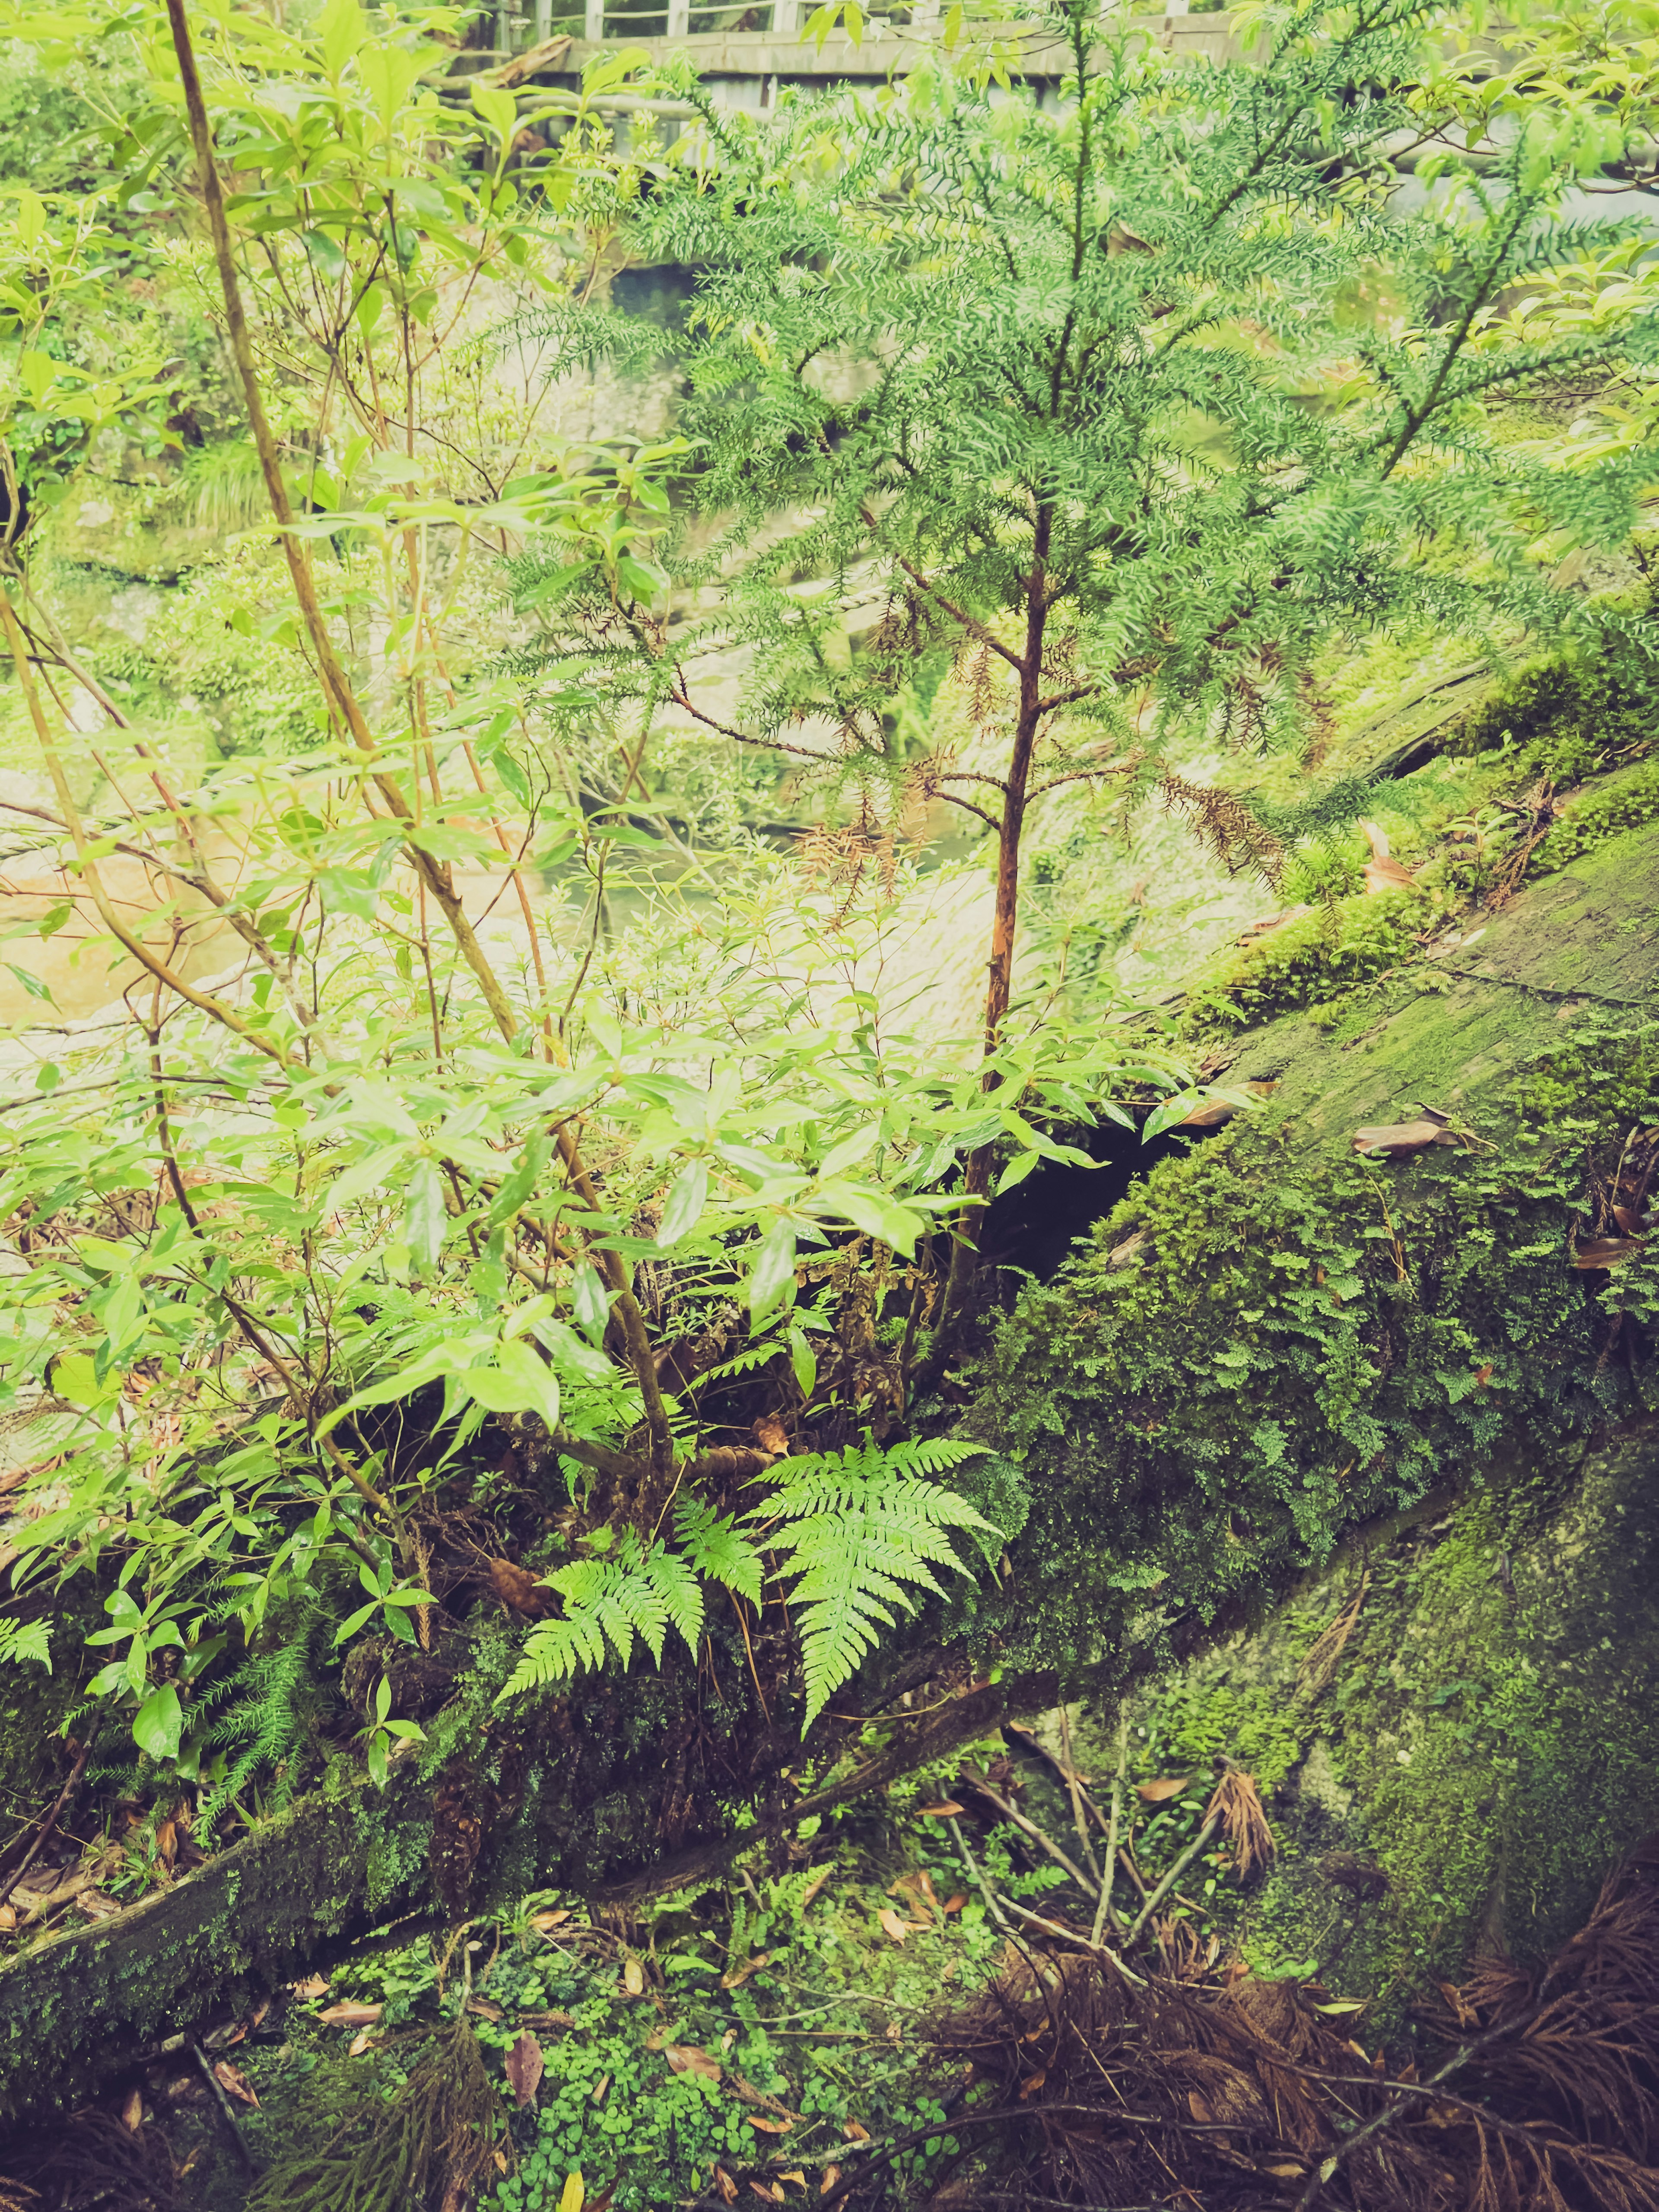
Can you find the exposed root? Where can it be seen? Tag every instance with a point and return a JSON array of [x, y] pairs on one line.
[[90, 2158], [1237, 1806]]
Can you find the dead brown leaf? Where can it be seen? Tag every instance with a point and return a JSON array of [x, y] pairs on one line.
[[1034, 2082], [769, 2127], [770, 1434], [855, 2131], [816, 1885], [1401, 1139], [686, 2058], [312, 1986], [739, 1975], [1160, 1792], [955, 1902], [796, 2176], [7, 1917], [234, 2083], [726, 2186], [946, 1809], [132, 2112], [774, 2196], [895, 1928], [485, 2009], [167, 1843], [1606, 1251], [350, 2016], [96, 1906], [829, 2177], [525, 2068], [518, 1589], [633, 1977], [1130, 1249], [359, 2043], [544, 1922], [1382, 872]]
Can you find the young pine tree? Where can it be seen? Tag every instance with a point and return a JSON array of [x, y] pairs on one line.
[[1131, 402]]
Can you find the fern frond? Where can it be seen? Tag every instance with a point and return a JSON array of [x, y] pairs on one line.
[[608, 1603], [715, 1549], [26, 1639], [861, 1532]]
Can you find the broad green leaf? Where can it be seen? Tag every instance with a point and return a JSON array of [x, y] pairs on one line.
[[773, 1272], [159, 1723], [390, 73], [341, 30], [499, 110], [425, 1218], [686, 1199]]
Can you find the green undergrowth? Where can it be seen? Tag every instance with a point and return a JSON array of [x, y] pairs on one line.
[[667, 2032], [1295, 1345]]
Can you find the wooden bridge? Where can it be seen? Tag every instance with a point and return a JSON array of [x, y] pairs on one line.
[[745, 52]]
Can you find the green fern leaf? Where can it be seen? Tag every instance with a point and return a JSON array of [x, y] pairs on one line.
[[674, 1579], [712, 1544], [27, 1640], [862, 1532]]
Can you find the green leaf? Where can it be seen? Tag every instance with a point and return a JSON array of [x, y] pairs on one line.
[[773, 1272], [588, 1302], [686, 1200], [804, 1360], [499, 110], [425, 1219], [390, 73], [32, 984], [341, 30], [160, 1723]]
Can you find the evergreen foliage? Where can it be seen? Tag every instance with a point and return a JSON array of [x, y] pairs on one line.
[[1109, 383]]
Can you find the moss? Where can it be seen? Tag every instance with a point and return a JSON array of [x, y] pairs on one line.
[[1302, 1340], [1572, 715], [1481, 1748], [1612, 804], [1350, 941]]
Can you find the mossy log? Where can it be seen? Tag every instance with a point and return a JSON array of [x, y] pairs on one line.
[[1300, 1343], [1452, 1724]]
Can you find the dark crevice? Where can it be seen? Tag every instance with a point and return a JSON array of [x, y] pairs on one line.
[[1035, 1226]]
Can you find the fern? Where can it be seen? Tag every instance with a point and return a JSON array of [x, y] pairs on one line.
[[715, 1549], [26, 1639], [863, 1530], [640, 1594], [273, 1694]]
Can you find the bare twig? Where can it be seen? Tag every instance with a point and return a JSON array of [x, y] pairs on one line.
[[1168, 1883], [1077, 1820], [1106, 1911], [45, 1827], [1029, 1828], [227, 2111]]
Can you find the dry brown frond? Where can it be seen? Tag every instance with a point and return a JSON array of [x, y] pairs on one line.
[[1223, 822], [1322, 1656], [1237, 1803]]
